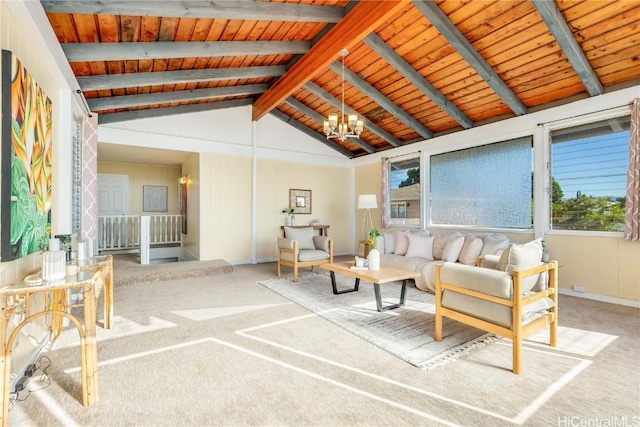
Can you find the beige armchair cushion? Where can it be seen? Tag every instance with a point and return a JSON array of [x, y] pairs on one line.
[[321, 243], [304, 236], [522, 257]]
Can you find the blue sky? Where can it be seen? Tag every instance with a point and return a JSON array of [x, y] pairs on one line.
[[595, 166]]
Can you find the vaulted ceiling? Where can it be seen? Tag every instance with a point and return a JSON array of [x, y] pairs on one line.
[[414, 69]]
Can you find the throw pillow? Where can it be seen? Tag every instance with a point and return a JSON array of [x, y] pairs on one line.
[[493, 245], [402, 242], [420, 246], [522, 257], [452, 249], [440, 241], [304, 236], [389, 242], [471, 250]]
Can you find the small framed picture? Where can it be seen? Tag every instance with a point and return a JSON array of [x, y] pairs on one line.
[[300, 201]]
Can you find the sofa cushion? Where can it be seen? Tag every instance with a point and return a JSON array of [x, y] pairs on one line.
[[304, 236], [402, 242], [452, 249], [420, 246], [389, 242], [522, 257], [440, 240], [494, 244], [471, 250]]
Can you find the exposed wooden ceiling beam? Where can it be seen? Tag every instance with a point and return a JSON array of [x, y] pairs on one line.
[[115, 81], [77, 52], [552, 16], [381, 100], [169, 111], [336, 103], [396, 61], [439, 19], [128, 101], [242, 10], [318, 118], [365, 17], [312, 133]]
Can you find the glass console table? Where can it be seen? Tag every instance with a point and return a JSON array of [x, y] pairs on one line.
[[94, 276]]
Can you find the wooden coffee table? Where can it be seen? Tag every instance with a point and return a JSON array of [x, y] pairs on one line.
[[377, 277]]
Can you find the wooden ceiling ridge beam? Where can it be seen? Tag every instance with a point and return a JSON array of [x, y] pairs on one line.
[[439, 19], [240, 10], [552, 16], [361, 20], [116, 81], [318, 118], [79, 52], [312, 133], [170, 111], [403, 67], [128, 101], [381, 100], [336, 103]]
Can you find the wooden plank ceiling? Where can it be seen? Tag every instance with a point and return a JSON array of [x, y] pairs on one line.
[[414, 69]]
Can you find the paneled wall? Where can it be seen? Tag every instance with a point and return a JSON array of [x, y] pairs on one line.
[[140, 175], [331, 195]]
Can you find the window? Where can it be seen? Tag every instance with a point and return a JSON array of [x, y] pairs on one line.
[[588, 175], [486, 186], [399, 210], [404, 186]]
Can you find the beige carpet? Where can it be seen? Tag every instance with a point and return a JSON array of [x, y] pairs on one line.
[[128, 270], [225, 351]]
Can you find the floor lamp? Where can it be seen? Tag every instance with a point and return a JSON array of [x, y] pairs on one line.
[[366, 202]]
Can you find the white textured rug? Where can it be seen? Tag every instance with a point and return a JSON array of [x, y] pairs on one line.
[[406, 332]]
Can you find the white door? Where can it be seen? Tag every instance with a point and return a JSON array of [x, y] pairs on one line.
[[113, 194], [113, 200]]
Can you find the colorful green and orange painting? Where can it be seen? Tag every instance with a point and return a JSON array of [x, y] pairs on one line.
[[25, 194]]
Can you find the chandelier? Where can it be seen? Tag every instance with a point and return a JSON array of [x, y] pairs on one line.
[[349, 126]]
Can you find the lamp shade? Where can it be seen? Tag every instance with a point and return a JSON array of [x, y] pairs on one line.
[[367, 201]]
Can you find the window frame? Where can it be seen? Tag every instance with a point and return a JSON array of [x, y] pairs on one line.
[[419, 156], [484, 229], [563, 124]]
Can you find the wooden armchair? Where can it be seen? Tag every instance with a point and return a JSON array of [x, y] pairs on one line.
[[302, 249], [512, 304]]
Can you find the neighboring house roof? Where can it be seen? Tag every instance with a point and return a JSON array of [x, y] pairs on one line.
[[415, 69], [410, 192]]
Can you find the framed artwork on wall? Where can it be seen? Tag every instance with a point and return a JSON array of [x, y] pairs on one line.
[[300, 201], [154, 198], [25, 195]]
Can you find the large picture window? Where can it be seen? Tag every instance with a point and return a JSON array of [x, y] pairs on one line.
[[486, 186], [588, 175], [404, 188]]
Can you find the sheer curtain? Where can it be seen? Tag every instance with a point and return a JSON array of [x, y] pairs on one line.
[[386, 194], [632, 216]]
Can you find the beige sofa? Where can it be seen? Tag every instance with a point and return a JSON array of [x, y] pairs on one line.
[[421, 251]]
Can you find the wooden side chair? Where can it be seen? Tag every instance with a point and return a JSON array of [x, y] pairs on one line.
[[301, 248]]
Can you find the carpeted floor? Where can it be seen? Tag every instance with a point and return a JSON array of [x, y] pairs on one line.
[[224, 350], [128, 270]]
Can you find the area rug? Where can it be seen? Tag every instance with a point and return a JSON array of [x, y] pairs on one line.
[[406, 332]]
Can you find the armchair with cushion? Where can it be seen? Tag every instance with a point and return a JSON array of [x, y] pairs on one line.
[[512, 295], [301, 248]]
